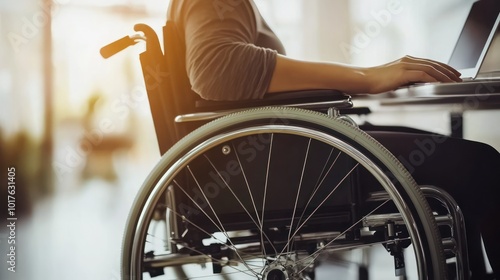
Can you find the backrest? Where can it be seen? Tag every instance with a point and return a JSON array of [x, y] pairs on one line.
[[167, 84], [175, 56], [182, 98]]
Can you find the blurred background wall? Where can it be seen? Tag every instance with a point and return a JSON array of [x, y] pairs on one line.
[[77, 128], [54, 85]]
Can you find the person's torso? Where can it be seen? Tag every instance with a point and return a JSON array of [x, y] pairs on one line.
[[265, 38]]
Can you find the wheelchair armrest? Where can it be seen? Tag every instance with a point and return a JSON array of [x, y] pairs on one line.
[[311, 99], [319, 100]]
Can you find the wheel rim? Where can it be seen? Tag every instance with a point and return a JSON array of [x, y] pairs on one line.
[[279, 267]]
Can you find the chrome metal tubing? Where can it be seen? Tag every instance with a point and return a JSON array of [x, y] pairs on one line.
[[458, 233], [456, 244]]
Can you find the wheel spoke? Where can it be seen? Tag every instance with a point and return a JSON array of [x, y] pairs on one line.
[[264, 199], [288, 247], [232, 191], [322, 202], [320, 182], [316, 254], [198, 205], [259, 226], [209, 234], [232, 246], [240, 203]]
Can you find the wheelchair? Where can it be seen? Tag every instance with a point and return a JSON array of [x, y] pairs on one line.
[[275, 188]]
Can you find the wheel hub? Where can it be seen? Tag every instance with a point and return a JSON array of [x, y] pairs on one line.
[[277, 273], [282, 269]]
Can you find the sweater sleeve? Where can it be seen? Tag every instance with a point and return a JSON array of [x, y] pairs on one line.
[[222, 60]]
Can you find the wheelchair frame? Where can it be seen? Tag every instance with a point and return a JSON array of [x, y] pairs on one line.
[[161, 80]]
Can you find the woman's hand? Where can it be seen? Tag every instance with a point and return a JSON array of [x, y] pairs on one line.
[[408, 70]]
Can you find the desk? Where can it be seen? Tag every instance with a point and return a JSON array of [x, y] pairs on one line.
[[476, 95]]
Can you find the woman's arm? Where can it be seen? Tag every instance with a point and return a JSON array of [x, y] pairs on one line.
[[290, 74], [222, 61]]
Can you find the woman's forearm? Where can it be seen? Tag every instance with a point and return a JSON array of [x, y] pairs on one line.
[[290, 75]]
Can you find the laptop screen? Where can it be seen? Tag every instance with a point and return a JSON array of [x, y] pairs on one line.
[[475, 35], [491, 63]]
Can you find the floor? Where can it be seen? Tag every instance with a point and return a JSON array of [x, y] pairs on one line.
[[76, 233]]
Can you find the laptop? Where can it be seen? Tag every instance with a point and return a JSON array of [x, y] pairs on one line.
[[475, 39], [480, 28]]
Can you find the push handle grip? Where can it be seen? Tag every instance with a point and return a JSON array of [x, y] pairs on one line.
[[117, 46]]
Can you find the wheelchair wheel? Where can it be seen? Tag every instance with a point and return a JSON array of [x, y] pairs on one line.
[[270, 193]]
